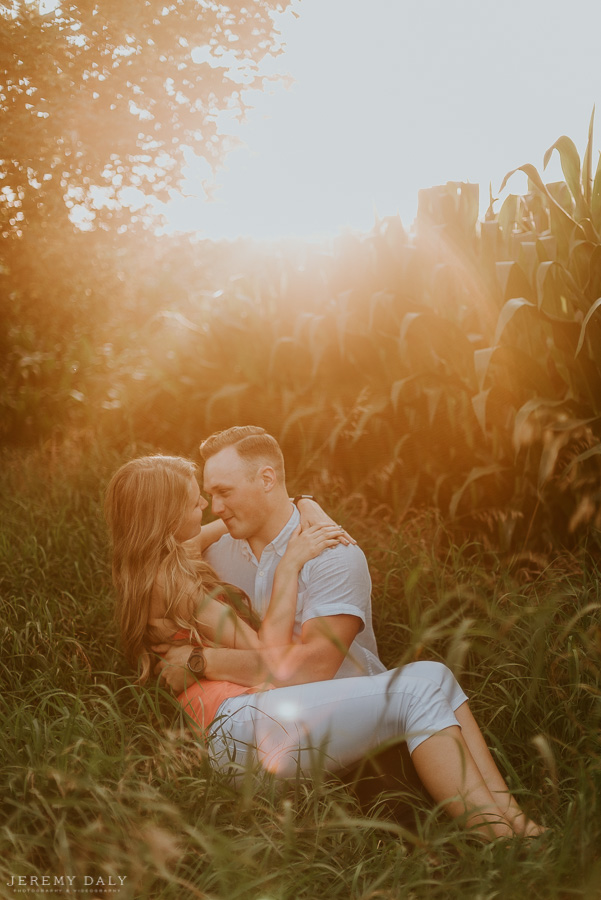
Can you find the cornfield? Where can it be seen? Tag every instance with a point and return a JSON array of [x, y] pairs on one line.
[[457, 367]]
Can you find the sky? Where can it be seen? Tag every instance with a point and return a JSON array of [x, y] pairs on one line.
[[391, 96]]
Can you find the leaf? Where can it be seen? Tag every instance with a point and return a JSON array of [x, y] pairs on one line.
[[570, 166], [482, 360], [528, 258], [513, 361], [475, 474], [503, 270], [397, 388], [587, 319], [179, 319], [522, 416], [313, 340], [508, 214], [381, 299], [541, 276], [587, 454], [433, 396], [469, 205], [507, 313], [342, 318], [587, 164], [479, 405], [563, 284], [227, 392], [513, 281], [552, 444], [596, 198], [282, 342], [529, 170], [374, 410], [408, 320], [302, 412]]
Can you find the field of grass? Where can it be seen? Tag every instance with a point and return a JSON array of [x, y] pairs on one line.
[[101, 779]]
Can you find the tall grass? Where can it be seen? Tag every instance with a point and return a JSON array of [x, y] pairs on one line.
[[102, 778]]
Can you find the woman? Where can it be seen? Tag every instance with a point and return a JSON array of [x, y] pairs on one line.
[[154, 511]]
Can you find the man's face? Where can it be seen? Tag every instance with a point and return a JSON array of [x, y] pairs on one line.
[[238, 498]]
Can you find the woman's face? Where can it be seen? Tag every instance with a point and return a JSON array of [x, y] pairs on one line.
[[192, 523]]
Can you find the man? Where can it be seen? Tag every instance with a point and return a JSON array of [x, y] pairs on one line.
[[244, 475]]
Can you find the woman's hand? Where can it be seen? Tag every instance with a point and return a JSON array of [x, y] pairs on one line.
[[172, 668], [311, 514], [307, 543]]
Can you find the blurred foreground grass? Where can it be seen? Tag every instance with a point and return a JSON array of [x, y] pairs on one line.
[[100, 778]]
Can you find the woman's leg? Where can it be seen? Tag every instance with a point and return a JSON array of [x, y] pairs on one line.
[[340, 721], [482, 756]]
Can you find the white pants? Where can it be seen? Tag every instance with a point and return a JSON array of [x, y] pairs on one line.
[[333, 723]]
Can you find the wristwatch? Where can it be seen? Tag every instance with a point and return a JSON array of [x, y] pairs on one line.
[[197, 662], [303, 497]]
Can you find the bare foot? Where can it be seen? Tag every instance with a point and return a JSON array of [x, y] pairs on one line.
[[525, 827]]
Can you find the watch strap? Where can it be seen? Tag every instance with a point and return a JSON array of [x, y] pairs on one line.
[[302, 497]]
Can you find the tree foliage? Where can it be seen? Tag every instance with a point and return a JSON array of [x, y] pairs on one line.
[[106, 94]]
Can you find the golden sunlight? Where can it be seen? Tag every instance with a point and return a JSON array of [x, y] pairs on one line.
[[389, 101]]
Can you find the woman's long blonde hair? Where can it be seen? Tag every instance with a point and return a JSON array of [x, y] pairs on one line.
[[146, 503]]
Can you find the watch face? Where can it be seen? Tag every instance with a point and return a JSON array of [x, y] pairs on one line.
[[197, 662]]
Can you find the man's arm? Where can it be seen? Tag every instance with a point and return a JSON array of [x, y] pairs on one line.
[[336, 598], [323, 646]]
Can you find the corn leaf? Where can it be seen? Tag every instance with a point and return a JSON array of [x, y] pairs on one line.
[[303, 412], [587, 454], [587, 319], [469, 205], [521, 432], [227, 393], [596, 198], [375, 409], [552, 444], [408, 320], [513, 281], [397, 387], [508, 214], [284, 343], [482, 360], [518, 362], [433, 396], [508, 312], [475, 474], [570, 165], [479, 406], [587, 165], [379, 300], [341, 320], [564, 217]]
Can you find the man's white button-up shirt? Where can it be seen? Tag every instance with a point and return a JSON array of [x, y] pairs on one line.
[[335, 583]]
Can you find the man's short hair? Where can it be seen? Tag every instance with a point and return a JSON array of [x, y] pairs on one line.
[[253, 445]]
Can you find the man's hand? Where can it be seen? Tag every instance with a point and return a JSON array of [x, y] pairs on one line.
[[173, 667]]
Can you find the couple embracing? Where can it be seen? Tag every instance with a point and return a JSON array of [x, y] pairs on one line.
[[262, 622]]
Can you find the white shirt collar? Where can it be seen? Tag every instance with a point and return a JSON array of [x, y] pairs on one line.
[[280, 542]]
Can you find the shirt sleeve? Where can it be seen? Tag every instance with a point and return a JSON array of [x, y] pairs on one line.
[[336, 583]]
